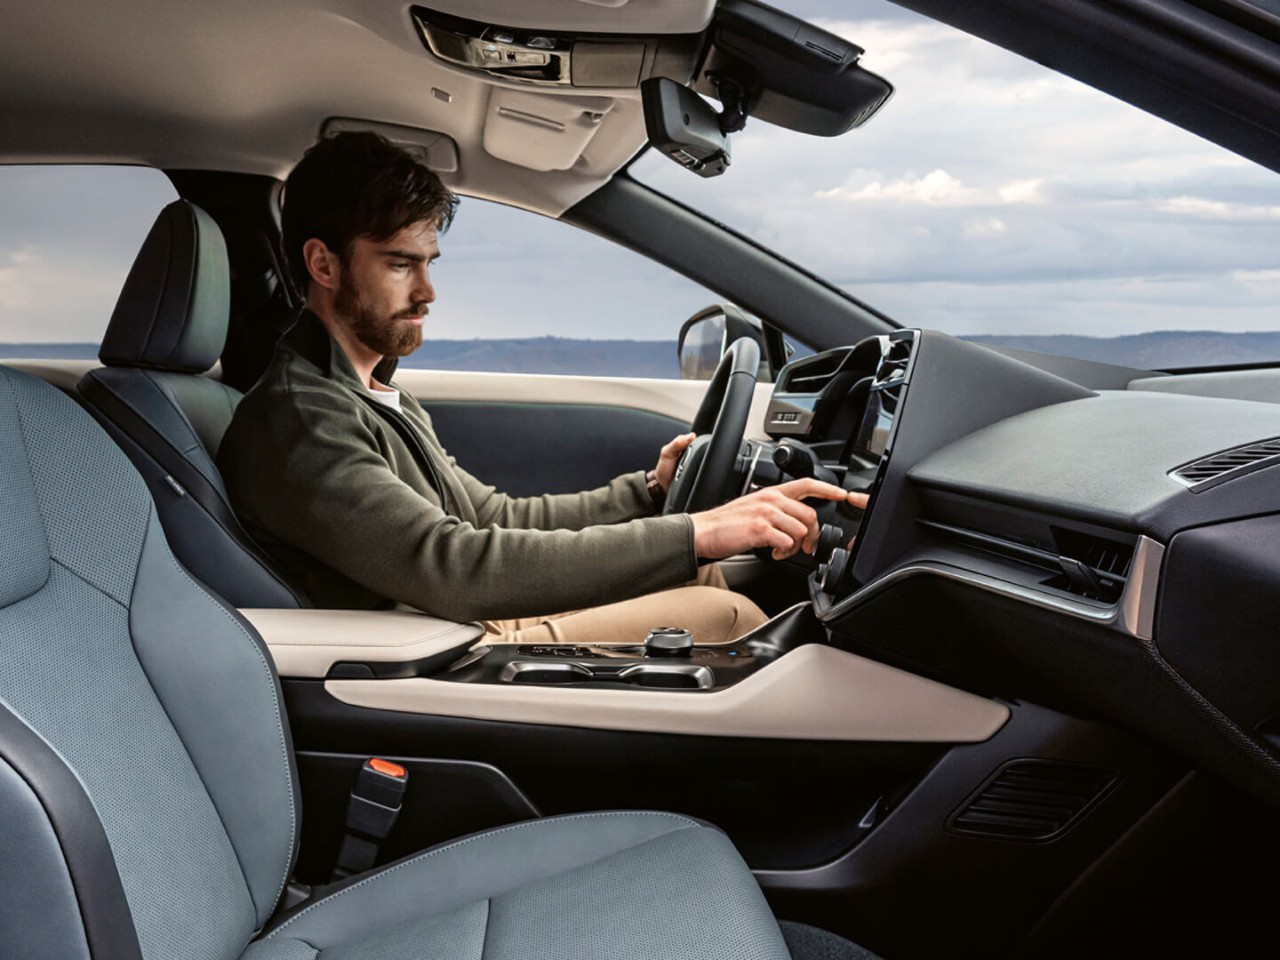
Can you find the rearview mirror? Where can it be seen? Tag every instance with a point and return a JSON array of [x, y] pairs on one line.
[[685, 127]]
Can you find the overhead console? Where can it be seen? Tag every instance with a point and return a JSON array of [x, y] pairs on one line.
[[549, 59]]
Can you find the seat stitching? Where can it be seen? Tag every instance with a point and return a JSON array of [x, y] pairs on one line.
[[488, 914], [24, 436], [464, 842], [88, 583]]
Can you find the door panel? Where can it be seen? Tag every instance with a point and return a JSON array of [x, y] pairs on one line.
[[529, 434], [530, 449]]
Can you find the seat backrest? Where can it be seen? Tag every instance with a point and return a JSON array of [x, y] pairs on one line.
[[147, 785], [168, 329]]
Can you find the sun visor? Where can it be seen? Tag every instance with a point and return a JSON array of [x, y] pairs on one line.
[[540, 131], [438, 151]]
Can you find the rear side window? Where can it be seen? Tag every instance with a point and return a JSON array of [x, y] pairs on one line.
[[68, 236]]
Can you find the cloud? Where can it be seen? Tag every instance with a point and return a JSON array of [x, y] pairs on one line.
[[985, 229], [991, 195], [938, 188], [1217, 209], [65, 298], [1260, 283]]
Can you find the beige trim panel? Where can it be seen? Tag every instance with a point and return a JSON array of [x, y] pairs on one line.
[[306, 643], [671, 398], [812, 693]]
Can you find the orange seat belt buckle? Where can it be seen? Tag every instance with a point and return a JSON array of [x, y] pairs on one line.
[[372, 810]]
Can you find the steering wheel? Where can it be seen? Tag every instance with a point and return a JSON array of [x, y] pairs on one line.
[[705, 468]]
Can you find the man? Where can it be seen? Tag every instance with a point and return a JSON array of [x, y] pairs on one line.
[[342, 479]]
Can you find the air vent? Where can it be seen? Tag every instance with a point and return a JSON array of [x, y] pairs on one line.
[[810, 376], [1091, 566], [1032, 801], [1227, 465], [1082, 563], [893, 364]]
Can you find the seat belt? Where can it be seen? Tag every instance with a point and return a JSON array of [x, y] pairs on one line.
[[375, 803]]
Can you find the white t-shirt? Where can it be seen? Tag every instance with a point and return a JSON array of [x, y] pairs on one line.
[[386, 396]]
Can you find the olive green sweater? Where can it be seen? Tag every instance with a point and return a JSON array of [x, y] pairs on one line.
[[345, 493]]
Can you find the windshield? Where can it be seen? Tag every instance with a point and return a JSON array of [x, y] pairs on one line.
[[997, 200]]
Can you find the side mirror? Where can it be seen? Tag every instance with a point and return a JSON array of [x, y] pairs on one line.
[[706, 336]]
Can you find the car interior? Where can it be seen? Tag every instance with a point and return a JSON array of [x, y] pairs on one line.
[[1021, 705]]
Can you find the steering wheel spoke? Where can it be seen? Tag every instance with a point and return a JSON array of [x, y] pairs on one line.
[[706, 467]]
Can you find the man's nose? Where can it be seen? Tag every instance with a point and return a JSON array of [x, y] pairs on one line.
[[423, 291]]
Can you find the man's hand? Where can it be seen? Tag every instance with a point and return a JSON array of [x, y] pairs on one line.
[[665, 471], [773, 517]]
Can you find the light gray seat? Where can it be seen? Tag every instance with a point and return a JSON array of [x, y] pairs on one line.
[[168, 328], [148, 793]]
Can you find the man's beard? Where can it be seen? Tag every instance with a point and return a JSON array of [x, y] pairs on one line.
[[383, 335]]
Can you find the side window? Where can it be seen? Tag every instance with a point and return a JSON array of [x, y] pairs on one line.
[[521, 293], [68, 236]]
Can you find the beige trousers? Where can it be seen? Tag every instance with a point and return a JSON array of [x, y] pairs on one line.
[[707, 608]]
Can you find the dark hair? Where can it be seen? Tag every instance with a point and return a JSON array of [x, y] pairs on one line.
[[357, 184]]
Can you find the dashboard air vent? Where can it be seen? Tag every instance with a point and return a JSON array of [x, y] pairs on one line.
[[810, 376], [1032, 801], [1091, 566], [1227, 465]]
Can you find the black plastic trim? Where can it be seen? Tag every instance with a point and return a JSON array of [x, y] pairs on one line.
[[108, 922], [759, 791]]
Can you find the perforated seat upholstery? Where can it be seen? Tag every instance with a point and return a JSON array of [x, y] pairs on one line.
[[168, 329], [148, 790]]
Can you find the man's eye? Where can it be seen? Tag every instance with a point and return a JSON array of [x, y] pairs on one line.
[[400, 266]]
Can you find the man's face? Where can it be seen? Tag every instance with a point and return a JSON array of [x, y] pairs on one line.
[[385, 289]]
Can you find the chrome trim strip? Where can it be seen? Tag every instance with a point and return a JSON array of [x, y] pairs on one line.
[[1133, 614], [751, 470], [514, 669], [702, 675], [1138, 602]]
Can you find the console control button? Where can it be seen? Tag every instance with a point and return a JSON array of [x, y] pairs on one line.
[[668, 642], [832, 572], [829, 538], [555, 650]]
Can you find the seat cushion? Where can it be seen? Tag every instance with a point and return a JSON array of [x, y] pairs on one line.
[[611, 886]]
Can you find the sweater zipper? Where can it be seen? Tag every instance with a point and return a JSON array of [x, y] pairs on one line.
[[409, 434]]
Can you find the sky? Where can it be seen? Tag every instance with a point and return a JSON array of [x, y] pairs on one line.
[[989, 196]]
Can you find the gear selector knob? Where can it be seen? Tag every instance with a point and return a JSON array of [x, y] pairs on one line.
[[668, 642]]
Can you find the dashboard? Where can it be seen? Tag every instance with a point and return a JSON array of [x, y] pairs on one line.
[[1107, 550]]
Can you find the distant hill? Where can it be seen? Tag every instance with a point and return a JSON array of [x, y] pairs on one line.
[[562, 355], [657, 358], [619, 358]]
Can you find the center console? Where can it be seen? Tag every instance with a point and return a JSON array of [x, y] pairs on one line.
[[668, 659]]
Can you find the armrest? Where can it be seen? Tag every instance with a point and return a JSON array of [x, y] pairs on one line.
[[307, 643]]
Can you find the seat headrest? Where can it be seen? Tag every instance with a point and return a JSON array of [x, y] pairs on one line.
[[174, 307]]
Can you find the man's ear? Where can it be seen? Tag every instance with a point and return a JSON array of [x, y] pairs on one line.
[[322, 264]]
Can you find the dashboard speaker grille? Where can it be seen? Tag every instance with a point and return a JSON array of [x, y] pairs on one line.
[[1032, 801], [1220, 467]]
